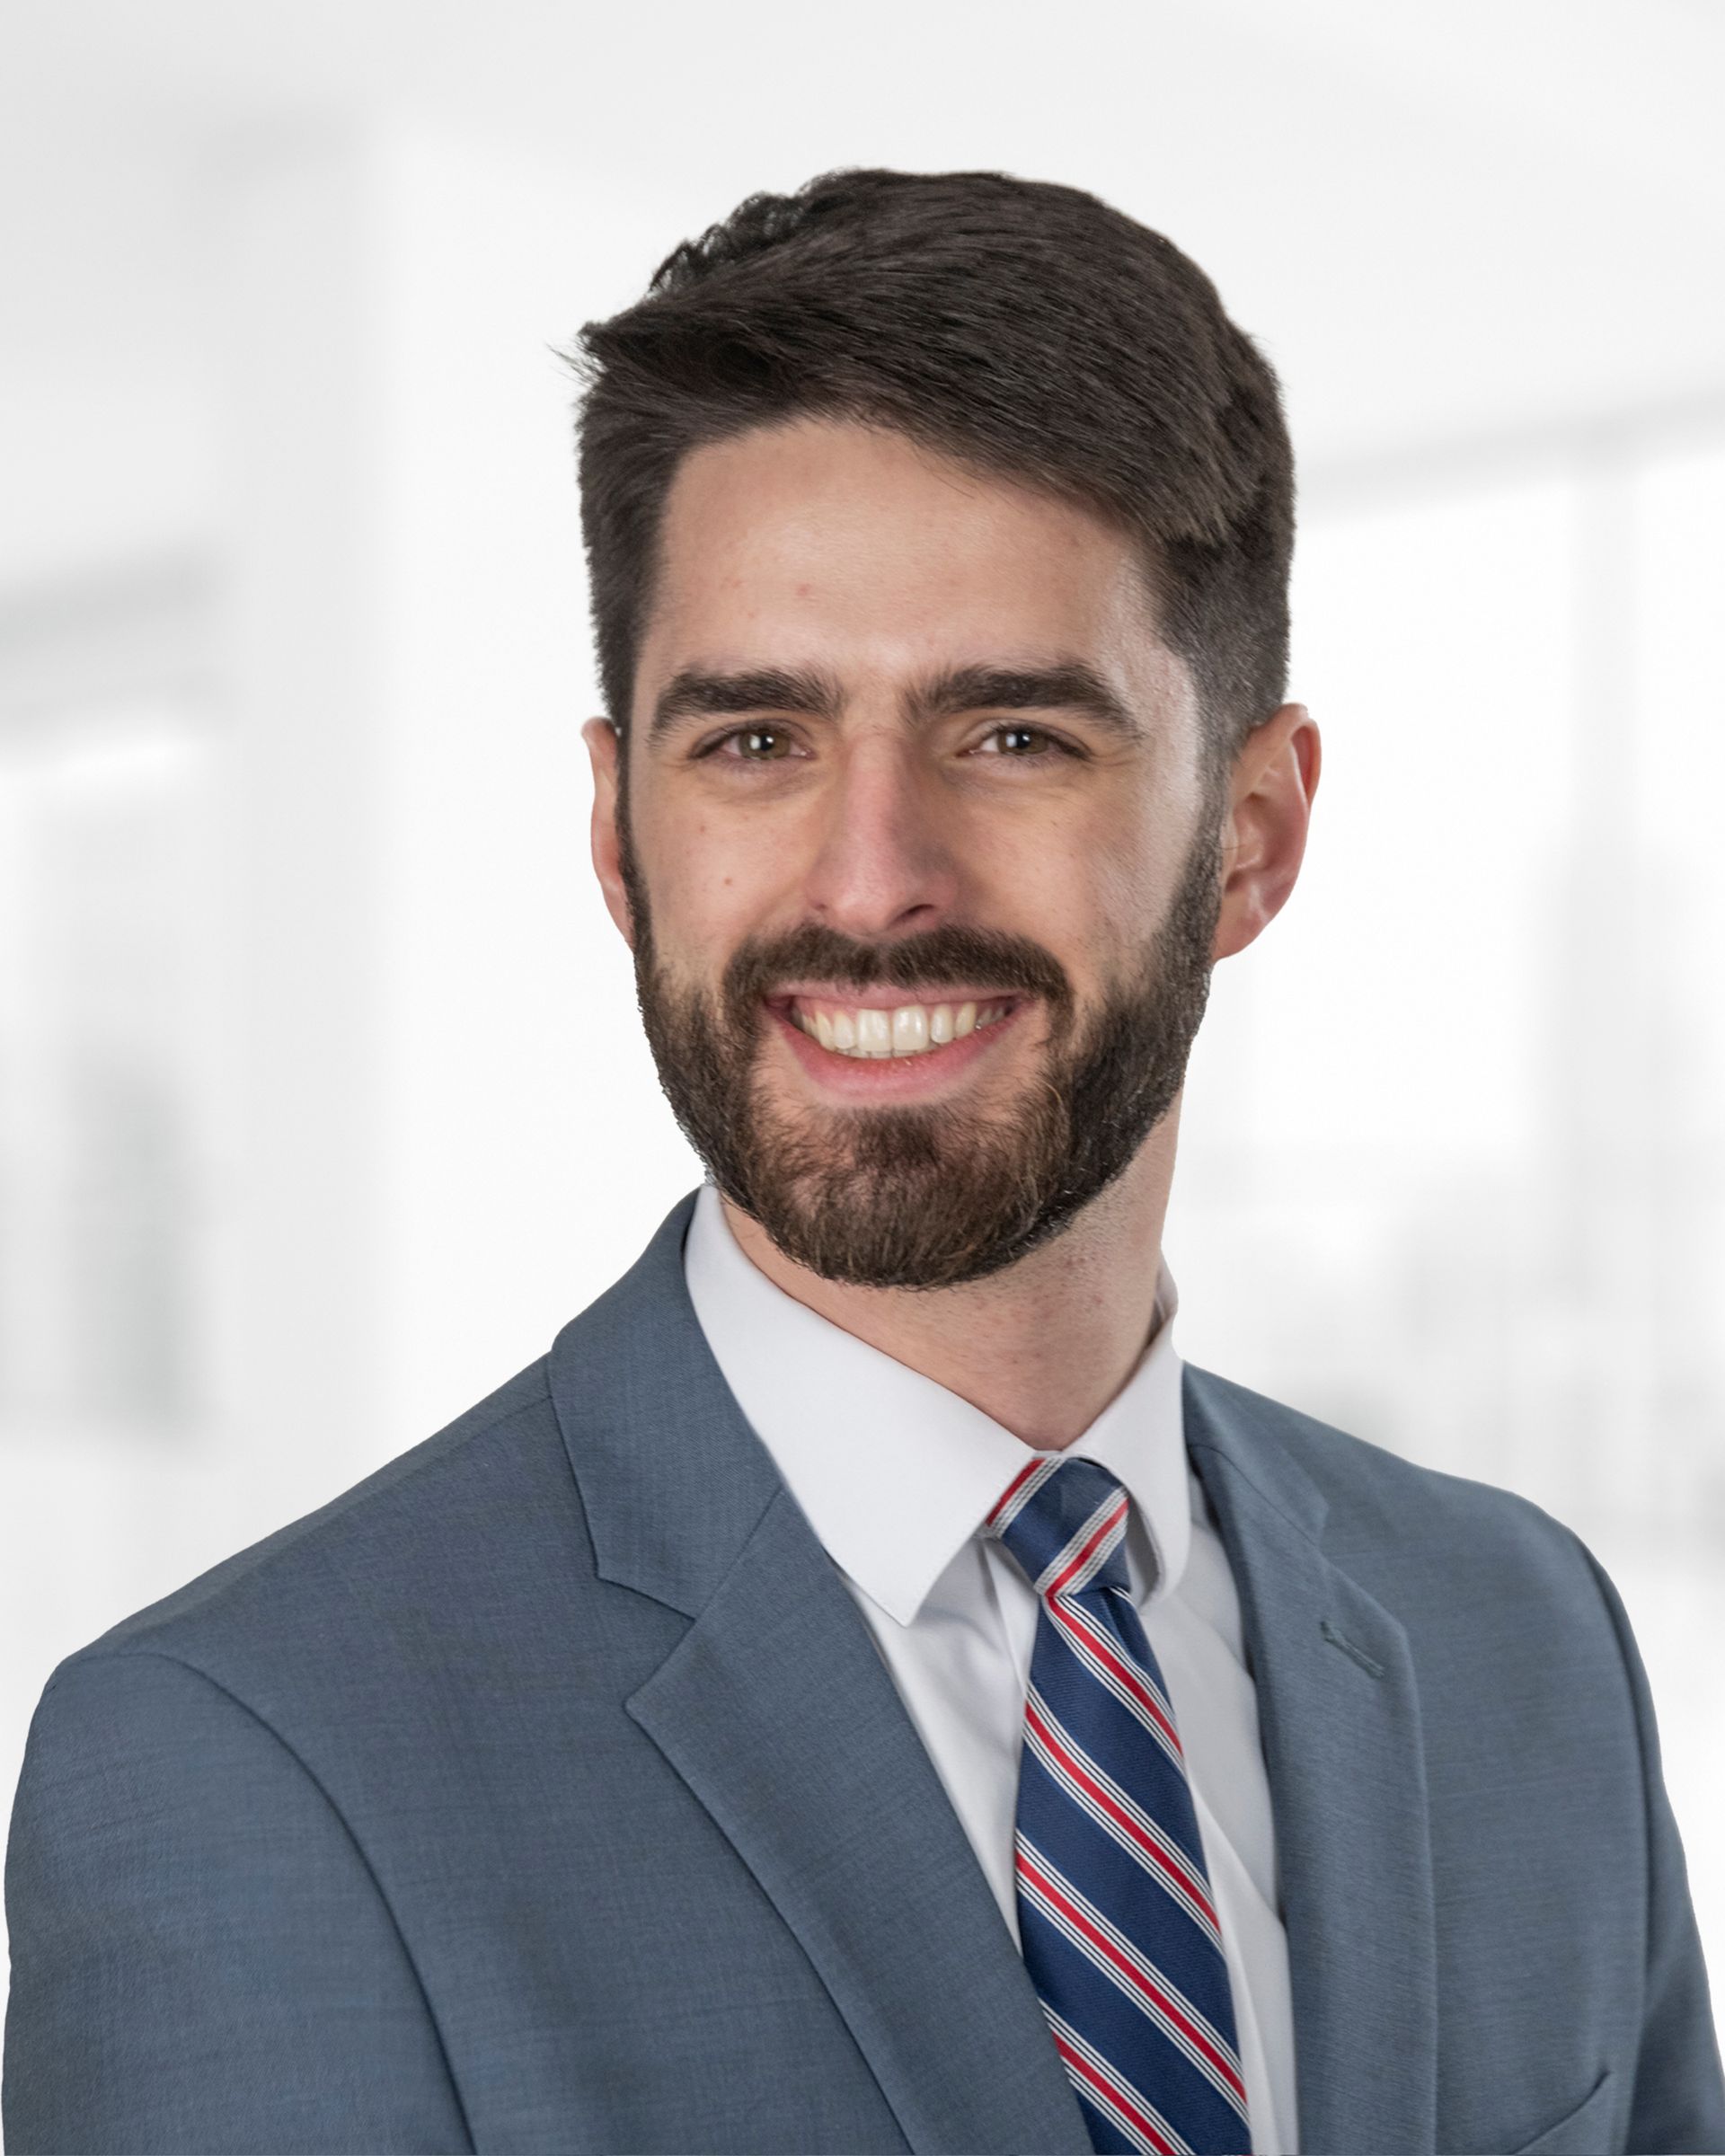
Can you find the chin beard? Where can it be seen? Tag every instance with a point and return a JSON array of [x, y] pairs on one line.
[[931, 1195]]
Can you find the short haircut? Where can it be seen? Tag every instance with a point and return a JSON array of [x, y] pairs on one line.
[[1026, 329]]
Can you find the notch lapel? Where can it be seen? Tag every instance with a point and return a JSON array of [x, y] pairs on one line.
[[778, 1713], [776, 1709], [1339, 1715]]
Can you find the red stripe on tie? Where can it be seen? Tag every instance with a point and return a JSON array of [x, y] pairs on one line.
[[1128, 1675], [1111, 1806], [1136, 1977], [1081, 2065], [1011, 1490], [1083, 1557]]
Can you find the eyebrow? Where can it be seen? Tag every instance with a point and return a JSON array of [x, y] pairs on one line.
[[1065, 684], [701, 693]]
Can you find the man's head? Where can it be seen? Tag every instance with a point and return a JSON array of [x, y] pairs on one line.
[[939, 532]]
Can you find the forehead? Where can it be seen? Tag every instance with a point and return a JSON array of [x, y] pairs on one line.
[[831, 542]]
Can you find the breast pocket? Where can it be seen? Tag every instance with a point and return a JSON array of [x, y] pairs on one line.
[[1583, 2131]]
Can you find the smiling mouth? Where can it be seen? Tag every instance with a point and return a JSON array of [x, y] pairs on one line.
[[880, 1033]]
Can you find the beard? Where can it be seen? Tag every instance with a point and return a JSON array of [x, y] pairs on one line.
[[938, 1194]]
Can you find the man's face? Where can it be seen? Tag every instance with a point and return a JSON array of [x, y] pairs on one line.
[[922, 872]]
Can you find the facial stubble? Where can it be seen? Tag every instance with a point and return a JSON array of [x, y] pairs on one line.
[[934, 1193]]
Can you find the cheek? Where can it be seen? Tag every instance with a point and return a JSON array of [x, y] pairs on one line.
[[711, 880], [1085, 897], [1142, 871], [1134, 889]]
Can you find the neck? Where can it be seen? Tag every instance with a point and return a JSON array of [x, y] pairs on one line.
[[1040, 1348]]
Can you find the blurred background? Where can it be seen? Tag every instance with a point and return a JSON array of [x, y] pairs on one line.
[[322, 1101]]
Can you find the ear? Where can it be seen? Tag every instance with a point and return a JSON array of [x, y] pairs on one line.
[[1274, 778], [607, 752]]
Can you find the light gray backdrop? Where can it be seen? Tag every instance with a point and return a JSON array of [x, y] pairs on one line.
[[322, 1098]]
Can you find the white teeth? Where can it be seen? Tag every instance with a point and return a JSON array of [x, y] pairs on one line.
[[911, 1029]]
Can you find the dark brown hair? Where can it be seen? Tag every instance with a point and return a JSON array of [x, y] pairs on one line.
[[1027, 329]]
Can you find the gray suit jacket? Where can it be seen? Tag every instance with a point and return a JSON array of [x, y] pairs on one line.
[[546, 1792]]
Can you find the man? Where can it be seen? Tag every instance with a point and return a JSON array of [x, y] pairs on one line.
[[858, 1692]]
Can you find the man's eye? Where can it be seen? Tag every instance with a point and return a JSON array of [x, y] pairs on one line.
[[1021, 741], [754, 745]]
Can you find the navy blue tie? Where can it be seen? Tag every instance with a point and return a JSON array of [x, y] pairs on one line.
[[1116, 1921]]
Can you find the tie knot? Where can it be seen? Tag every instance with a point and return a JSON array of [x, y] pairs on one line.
[[1064, 1522]]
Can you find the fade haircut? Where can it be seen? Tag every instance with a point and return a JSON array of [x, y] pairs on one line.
[[1025, 329]]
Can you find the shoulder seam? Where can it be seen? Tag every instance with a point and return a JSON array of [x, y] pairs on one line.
[[1532, 1514], [288, 1536]]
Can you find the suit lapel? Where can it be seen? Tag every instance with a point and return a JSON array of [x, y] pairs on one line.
[[1338, 1714], [779, 1714], [776, 1711]]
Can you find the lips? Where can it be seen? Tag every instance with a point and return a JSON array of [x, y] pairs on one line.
[[872, 1072]]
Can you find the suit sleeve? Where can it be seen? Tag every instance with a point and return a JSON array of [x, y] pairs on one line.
[[1678, 2102], [201, 1958]]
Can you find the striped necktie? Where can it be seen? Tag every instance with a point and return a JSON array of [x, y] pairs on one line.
[[1118, 1933]]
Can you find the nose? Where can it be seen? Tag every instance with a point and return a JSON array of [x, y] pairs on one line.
[[883, 864]]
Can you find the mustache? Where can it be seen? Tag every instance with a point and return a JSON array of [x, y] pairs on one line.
[[982, 957]]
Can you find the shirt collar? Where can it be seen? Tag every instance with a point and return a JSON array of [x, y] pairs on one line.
[[894, 1472]]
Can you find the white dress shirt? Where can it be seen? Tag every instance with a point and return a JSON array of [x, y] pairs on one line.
[[896, 1474]]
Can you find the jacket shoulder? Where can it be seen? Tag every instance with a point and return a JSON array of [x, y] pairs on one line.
[[381, 1542], [1375, 1500]]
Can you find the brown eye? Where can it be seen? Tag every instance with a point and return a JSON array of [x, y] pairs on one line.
[[762, 744], [1021, 741]]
